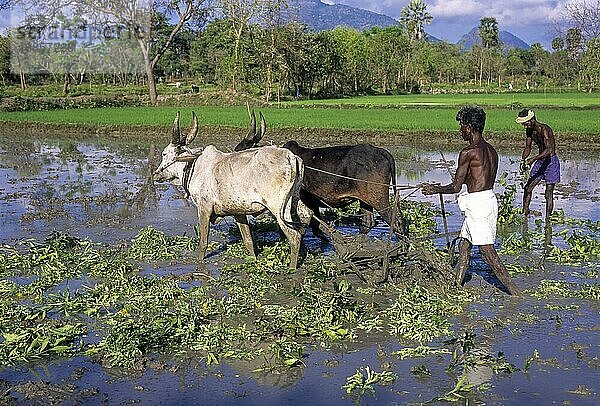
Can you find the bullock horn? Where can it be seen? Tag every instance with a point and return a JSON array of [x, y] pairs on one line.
[[194, 130], [252, 131], [263, 129], [176, 134]]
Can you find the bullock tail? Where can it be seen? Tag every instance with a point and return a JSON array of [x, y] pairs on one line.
[[294, 195]]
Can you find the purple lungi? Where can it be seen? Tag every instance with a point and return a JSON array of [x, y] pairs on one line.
[[547, 169]]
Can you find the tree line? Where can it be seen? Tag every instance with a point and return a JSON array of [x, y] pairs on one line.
[[255, 46]]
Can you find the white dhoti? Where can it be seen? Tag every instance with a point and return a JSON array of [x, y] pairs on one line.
[[481, 216]]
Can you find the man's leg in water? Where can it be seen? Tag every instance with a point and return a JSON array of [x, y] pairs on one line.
[[464, 258], [491, 257], [549, 199], [528, 192]]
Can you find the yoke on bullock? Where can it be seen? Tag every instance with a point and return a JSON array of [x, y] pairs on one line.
[[237, 184]]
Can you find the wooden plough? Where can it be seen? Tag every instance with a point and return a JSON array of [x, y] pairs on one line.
[[404, 259]]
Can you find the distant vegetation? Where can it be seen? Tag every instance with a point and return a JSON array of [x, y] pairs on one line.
[[254, 50]]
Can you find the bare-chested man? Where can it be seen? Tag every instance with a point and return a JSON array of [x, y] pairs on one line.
[[477, 167], [546, 165]]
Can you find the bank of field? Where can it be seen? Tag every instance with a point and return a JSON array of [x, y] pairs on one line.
[[584, 122]]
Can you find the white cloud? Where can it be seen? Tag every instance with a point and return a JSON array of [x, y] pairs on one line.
[[455, 8], [508, 12], [532, 19]]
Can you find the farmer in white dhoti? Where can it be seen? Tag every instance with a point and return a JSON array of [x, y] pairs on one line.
[[477, 167]]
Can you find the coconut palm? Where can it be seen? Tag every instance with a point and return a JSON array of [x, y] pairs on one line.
[[414, 17]]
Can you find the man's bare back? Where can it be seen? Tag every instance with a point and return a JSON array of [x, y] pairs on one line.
[[482, 161]]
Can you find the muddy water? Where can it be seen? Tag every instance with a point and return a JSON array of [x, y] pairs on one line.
[[102, 191]]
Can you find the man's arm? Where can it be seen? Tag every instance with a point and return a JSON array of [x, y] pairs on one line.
[[527, 149], [464, 159], [549, 142]]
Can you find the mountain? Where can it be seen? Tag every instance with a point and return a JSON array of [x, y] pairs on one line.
[[321, 16], [507, 39]]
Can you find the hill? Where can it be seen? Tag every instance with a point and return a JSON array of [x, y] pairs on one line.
[[321, 16], [507, 39]]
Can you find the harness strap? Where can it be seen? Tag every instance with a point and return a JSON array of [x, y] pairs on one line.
[[187, 175]]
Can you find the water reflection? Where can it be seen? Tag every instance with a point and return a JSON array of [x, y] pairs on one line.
[[86, 187], [66, 186]]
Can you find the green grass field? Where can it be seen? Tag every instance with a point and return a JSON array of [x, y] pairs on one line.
[[565, 120], [500, 100]]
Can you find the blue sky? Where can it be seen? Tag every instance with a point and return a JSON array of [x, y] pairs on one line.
[[530, 20]]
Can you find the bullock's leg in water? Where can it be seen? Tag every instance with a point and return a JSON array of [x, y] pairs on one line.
[[464, 258], [491, 257], [294, 238], [366, 220], [203, 230], [379, 199], [242, 222]]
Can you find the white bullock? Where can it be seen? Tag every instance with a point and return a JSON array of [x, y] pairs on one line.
[[237, 184]]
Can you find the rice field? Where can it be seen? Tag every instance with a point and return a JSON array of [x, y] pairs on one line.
[[499, 100], [404, 119]]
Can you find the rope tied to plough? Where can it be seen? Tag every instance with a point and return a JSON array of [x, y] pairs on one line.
[[414, 188], [398, 187]]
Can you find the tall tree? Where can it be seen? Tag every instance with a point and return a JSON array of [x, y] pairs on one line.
[[583, 15], [136, 16], [489, 36], [240, 13], [4, 59], [559, 59], [414, 17], [351, 47], [388, 49], [271, 19], [590, 63], [574, 43]]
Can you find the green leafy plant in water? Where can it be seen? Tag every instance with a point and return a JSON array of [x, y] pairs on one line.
[[459, 392], [420, 217], [558, 217], [349, 213], [420, 351], [516, 243], [583, 246], [222, 340], [359, 384], [153, 245], [420, 370], [421, 315], [508, 213], [467, 355], [289, 352], [550, 288], [28, 334]]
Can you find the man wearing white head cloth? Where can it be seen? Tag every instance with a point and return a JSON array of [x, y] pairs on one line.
[[546, 165]]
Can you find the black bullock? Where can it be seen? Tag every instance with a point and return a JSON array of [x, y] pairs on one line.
[[339, 175]]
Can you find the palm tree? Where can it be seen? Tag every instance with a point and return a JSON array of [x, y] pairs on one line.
[[414, 17], [489, 36]]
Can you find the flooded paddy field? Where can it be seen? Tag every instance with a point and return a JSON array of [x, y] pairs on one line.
[[102, 299]]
